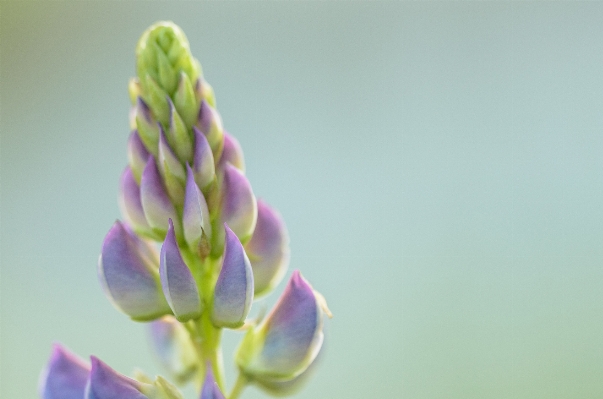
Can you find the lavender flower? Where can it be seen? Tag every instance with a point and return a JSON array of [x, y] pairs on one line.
[[185, 189]]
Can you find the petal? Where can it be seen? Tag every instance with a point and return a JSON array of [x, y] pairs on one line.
[[203, 160], [268, 249], [195, 217], [210, 387], [128, 278], [232, 153], [137, 155], [106, 383], [130, 203], [289, 339], [233, 294], [178, 283], [239, 207], [65, 375], [172, 345], [155, 201]]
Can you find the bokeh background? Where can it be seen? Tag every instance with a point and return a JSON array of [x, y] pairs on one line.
[[439, 167]]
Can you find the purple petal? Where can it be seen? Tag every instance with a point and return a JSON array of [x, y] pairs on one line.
[[106, 383], [178, 283], [203, 160], [65, 375], [210, 124], [130, 202], [155, 201], [211, 390], [172, 345], [195, 217], [291, 335], [137, 155], [239, 207], [128, 278], [234, 289], [268, 249], [232, 153]]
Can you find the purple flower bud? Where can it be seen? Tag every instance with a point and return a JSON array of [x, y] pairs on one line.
[[210, 390], [203, 160], [210, 124], [65, 375], [172, 171], [178, 283], [155, 201], [195, 217], [239, 207], [137, 155], [129, 277], [173, 347], [232, 153], [131, 205], [106, 383], [234, 289], [288, 340], [268, 249]]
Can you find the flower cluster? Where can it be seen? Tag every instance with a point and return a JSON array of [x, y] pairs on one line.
[[185, 188]]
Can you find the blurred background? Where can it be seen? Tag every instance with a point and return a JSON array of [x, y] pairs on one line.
[[439, 167]]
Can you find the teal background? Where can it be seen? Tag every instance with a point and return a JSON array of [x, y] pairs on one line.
[[439, 167]]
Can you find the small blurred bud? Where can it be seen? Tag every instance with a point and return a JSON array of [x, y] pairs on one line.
[[106, 383], [268, 249], [232, 153]]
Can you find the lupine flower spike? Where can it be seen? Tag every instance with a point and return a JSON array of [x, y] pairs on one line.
[[193, 251]]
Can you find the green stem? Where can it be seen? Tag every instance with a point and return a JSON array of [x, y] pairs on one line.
[[238, 388], [211, 350]]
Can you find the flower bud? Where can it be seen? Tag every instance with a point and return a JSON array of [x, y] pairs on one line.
[[288, 340], [156, 203], [65, 375], [148, 128], [232, 153], [184, 100], [173, 347], [134, 90], [268, 249], [178, 283], [204, 91], [129, 275], [195, 216], [131, 205], [239, 207], [203, 160], [178, 136], [171, 170], [233, 293], [106, 383], [210, 389], [210, 124], [137, 155]]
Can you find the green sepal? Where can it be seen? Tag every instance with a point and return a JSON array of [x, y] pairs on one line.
[[204, 91], [161, 389], [148, 132], [158, 100], [185, 101], [173, 174], [178, 136]]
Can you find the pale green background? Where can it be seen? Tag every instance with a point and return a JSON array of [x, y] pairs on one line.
[[439, 166]]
